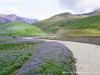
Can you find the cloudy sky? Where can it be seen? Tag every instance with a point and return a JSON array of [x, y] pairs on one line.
[[42, 9]]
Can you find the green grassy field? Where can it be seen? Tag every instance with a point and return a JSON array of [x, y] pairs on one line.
[[19, 28]]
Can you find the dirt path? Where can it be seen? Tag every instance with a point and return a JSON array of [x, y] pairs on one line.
[[87, 55]]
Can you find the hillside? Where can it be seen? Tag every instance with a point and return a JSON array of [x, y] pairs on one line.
[[19, 28], [63, 16], [53, 23], [85, 26], [69, 24], [85, 30]]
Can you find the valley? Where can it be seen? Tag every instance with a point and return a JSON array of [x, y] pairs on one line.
[[51, 46]]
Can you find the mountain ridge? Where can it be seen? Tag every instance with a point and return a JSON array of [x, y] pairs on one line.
[[72, 24], [95, 12], [13, 18]]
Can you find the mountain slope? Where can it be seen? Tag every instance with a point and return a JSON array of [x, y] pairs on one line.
[[85, 26], [69, 24], [63, 16], [13, 18], [54, 22], [19, 28]]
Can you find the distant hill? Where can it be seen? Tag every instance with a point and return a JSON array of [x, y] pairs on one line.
[[96, 12], [63, 16], [61, 24], [13, 18], [92, 22], [20, 29], [54, 22], [84, 26], [70, 24]]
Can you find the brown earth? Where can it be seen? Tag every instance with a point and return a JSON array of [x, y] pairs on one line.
[[83, 39]]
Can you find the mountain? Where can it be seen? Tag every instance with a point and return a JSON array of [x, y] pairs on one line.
[[92, 22], [63, 16], [53, 23], [70, 24], [20, 29], [13, 18], [85, 26], [95, 12]]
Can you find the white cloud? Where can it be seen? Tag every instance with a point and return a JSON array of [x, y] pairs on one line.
[[17, 11], [18, 7], [16, 1], [23, 12], [30, 8], [43, 9], [80, 6]]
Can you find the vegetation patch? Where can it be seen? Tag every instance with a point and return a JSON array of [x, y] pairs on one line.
[[17, 46], [53, 59], [20, 29], [14, 55]]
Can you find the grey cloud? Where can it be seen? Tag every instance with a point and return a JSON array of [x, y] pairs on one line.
[[79, 6]]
